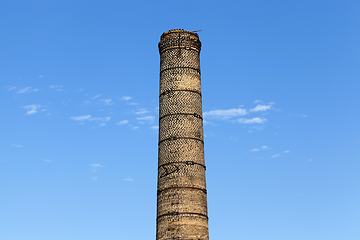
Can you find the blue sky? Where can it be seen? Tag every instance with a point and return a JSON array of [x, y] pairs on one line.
[[79, 92]]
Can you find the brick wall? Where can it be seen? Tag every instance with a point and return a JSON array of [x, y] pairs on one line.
[[182, 200]]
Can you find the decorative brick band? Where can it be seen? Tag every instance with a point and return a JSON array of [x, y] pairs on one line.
[[179, 90], [165, 189], [175, 138], [167, 69], [191, 114], [181, 213], [178, 31], [187, 163], [180, 47]]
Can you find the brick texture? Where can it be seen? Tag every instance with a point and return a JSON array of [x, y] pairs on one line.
[[181, 195]]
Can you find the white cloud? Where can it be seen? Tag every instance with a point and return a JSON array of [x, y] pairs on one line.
[[129, 179], [11, 88], [27, 90], [261, 148], [148, 119], [104, 119], [123, 122], [81, 118], [225, 114], [287, 151], [96, 96], [298, 115], [257, 101], [107, 101], [155, 127], [251, 120], [89, 118], [275, 155], [96, 166], [102, 124], [259, 108], [32, 109], [17, 145], [56, 87], [47, 160], [126, 98], [258, 127], [141, 111]]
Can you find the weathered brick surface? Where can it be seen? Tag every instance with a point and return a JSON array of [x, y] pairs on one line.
[[180, 78], [180, 102], [182, 200]]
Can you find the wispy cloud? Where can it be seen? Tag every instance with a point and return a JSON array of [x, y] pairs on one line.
[[259, 108], [17, 145], [89, 118], [141, 111], [107, 102], [56, 87], [94, 178], [27, 90], [104, 119], [261, 148], [230, 114], [129, 179], [287, 151], [47, 160], [123, 122], [96, 96], [225, 114], [133, 103], [154, 127], [275, 155], [126, 98], [12, 88], [96, 166], [298, 115], [148, 119], [32, 109], [257, 128], [81, 118], [251, 120]]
